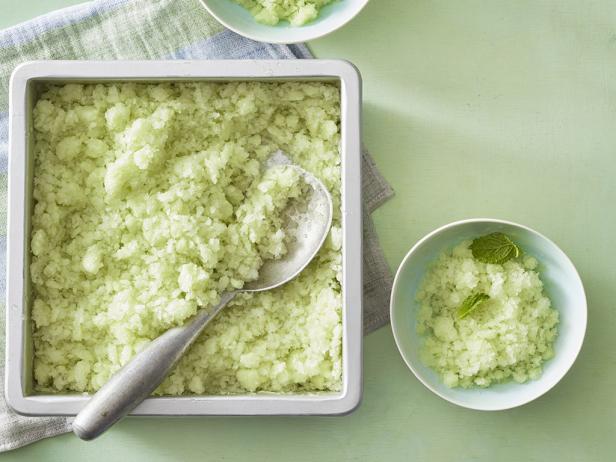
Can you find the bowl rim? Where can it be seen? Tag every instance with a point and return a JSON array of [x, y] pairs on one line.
[[305, 37], [409, 364]]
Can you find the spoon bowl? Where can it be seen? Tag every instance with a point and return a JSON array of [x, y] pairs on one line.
[[309, 222]]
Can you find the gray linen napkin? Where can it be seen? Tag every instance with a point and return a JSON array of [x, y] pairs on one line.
[[146, 29]]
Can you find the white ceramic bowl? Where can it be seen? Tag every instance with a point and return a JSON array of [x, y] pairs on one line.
[[25, 87], [239, 19], [562, 284]]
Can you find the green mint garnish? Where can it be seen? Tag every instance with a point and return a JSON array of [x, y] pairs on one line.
[[471, 303], [494, 248]]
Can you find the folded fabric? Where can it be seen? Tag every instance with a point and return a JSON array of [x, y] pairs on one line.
[[147, 29]]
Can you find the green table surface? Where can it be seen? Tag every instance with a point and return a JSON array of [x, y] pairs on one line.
[[471, 108]]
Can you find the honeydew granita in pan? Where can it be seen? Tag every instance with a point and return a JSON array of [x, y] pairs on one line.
[[484, 314], [150, 201], [271, 12]]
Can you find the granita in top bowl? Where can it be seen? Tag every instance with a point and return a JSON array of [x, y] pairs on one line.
[[488, 314], [296, 12]]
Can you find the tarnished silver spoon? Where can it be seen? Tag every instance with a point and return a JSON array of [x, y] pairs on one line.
[[142, 375]]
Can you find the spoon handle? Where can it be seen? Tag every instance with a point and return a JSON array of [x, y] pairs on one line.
[[141, 375]]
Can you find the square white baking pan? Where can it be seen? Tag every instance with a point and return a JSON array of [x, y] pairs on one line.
[[26, 81]]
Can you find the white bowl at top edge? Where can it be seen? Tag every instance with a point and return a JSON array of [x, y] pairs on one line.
[[562, 285], [238, 19]]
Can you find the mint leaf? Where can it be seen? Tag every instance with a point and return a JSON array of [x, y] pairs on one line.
[[494, 248], [471, 303]]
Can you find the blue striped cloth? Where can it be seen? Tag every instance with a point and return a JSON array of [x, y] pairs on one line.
[[150, 29]]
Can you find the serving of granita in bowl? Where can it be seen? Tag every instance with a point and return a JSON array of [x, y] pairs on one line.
[[284, 21], [488, 314]]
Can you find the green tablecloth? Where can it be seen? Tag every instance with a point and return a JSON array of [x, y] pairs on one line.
[[472, 108]]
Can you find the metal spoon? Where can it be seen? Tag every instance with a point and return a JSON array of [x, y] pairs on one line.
[[142, 375]]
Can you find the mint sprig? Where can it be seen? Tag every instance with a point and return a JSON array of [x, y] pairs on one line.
[[471, 303], [495, 248]]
